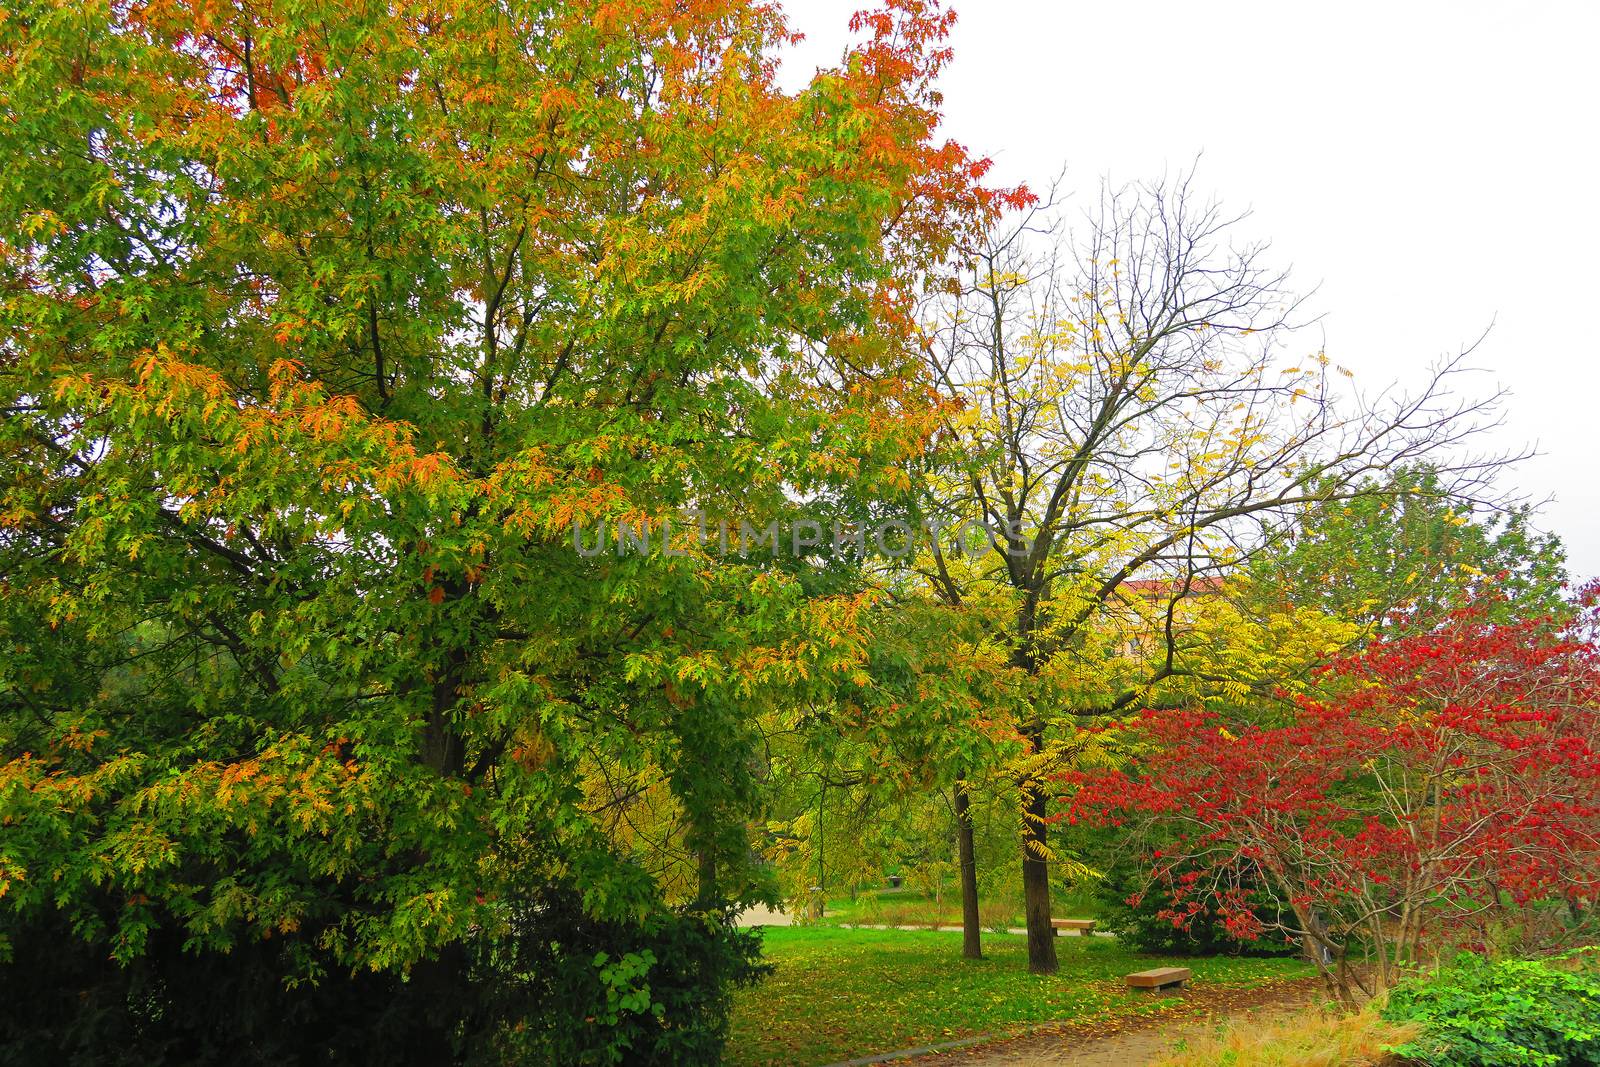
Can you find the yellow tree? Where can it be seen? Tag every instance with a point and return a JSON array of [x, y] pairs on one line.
[[1124, 415]]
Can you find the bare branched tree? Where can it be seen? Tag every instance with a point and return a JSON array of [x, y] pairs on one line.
[[1127, 412]]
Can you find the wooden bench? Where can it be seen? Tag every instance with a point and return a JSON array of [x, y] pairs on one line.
[[1160, 978], [1085, 927]]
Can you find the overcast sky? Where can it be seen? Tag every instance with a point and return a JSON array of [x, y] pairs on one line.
[[1427, 167]]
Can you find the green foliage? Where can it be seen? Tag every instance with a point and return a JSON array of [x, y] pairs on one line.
[[1404, 550], [656, 991], [325, 330], [862, 785], [1138, 921], [1506, 1013]]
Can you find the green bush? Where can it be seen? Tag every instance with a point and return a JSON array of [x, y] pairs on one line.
[[65, 1001], [1141, 926], [659, 993], [554, 985], [1508, 1013]]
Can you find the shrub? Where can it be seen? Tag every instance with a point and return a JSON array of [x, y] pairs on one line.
[[1146, 924], [553, 985], [1507, 1013], [1446, 775], [998, 916], [651, 994]]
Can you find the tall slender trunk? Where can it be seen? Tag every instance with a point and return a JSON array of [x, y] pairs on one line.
[[443, 749], [819, 899], [971, 935], [1036, 870], [1035, 805]]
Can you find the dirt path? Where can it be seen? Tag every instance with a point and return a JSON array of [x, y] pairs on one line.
[[1130, 1042]]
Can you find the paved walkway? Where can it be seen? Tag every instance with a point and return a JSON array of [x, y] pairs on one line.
[[761, 915], [956, 929], [1137, 1049]]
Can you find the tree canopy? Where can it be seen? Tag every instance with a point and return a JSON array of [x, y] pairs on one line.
[[326, 327]]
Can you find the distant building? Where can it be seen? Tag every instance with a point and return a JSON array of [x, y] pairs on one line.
[[1140, 604]]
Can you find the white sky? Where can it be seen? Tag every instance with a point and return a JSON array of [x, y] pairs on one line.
[[1428, 167]]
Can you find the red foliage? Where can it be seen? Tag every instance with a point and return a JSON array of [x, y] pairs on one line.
[[1451, 773]]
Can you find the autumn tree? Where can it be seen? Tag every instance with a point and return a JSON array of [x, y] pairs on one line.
[[1455, 772], [1126, 413], [325, 327]]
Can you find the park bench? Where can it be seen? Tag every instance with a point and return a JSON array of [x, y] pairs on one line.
[[1085, 927], [1159, 979]]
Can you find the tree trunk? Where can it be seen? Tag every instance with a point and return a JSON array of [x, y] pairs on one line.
[[971, 935], [706, 890], [442, 749], [1035, 804], [1036, 879], [442, 746]]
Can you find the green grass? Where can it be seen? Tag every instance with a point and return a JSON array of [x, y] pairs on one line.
[[893, 907], [838, 994], [908, 907]]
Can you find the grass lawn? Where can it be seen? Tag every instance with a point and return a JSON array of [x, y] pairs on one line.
[[909, 907], [894, 907], [838, 994]]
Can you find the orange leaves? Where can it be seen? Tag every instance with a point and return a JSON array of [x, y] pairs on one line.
[[567, 508], [284, 376], [234, 776], [333, 419], [430, 473], [76, 740], [331, 437], [555, 100], [482, 93], [246, 63]]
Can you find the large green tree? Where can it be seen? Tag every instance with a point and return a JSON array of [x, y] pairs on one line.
[[326, 326]]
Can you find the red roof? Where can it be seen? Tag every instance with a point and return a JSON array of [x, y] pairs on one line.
[[1163, 586]]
